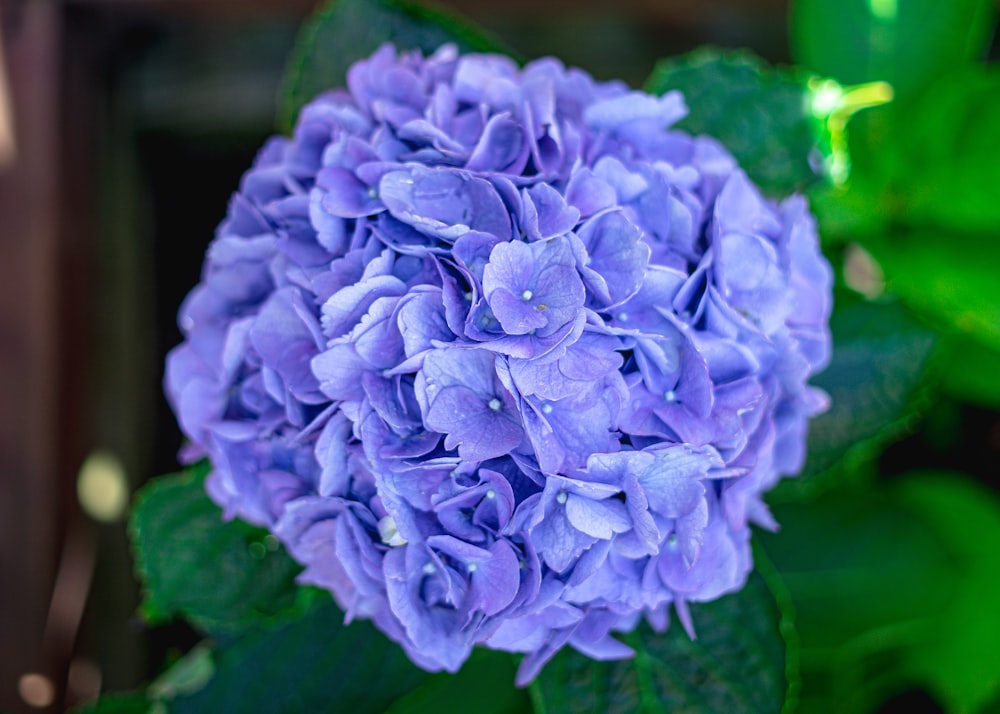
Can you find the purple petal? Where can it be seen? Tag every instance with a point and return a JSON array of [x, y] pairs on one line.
[[600, 519], [479, 430], [546, 214], [444, 203], [502, 147], [616, 258], [588, 193], [345, 196]]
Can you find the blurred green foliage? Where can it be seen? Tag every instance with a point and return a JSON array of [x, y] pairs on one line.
[[894, 586], [921, 204], [907, 43]]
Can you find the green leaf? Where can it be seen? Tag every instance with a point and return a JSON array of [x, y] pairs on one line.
[[120, 703], [737, 664], [951, 140], [344, 31], [894, 588], [867, 578], [786, 127], [762, 114], [188, 675], [484, 685], [968, 371], [951, 278], [305, 666], [847, 212], [880, 354], [961, 665], [924, 163], [222, 576], [904, 42]]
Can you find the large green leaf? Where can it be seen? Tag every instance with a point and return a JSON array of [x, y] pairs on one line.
[[738, 663], [484, 685], [951, 277], [904, 42], [926, 166], [222, 576], [894, 588], [867, 579], [760, 113], [968, 370], [846, 213], [880, 354], [927, 162], [951, 141], [308, 665], [928, 157], [962, 664], [344, 31]]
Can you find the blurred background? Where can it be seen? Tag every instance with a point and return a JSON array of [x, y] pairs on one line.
[[124, 127]]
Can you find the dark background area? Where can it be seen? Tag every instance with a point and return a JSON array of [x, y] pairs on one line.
[[134, 121]]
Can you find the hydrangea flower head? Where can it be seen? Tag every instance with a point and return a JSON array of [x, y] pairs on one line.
[[501, 357]]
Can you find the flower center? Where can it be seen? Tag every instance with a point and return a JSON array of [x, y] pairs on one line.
[[388, 532], [527, 295], [494, 404]]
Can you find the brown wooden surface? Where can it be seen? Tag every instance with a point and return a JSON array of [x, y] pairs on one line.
[[29, 235]]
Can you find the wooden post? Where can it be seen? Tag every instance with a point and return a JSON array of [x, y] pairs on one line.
[[29, 237]]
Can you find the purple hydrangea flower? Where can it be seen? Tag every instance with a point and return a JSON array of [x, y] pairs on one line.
[[501, 357]]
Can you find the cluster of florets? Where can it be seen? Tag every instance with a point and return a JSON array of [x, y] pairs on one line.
[[500, 357]]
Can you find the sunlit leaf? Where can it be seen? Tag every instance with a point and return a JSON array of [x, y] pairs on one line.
[[904, 42], [951, 141], [926, 166], [951, 277]]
